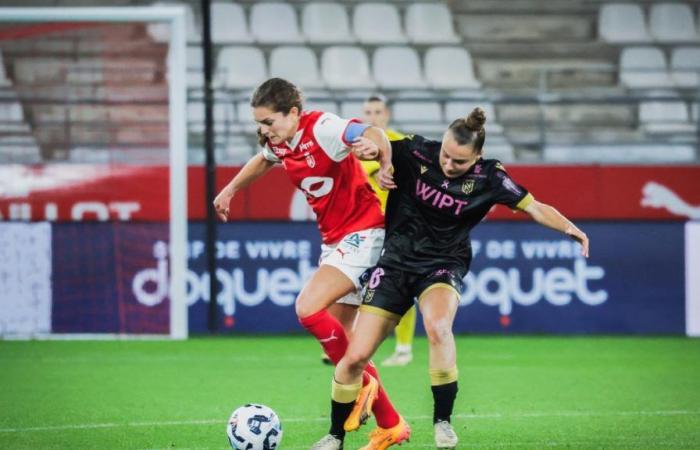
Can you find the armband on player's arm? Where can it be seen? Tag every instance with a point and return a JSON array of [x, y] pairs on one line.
[[548, 216]]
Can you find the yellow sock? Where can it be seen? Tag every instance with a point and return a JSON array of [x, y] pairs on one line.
[[405, 330], [345, 393], [438, 377]]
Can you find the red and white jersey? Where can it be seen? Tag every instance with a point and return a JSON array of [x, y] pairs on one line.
[[319, 162]]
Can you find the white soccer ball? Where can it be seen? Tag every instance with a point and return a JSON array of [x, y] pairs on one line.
[[254, 427]]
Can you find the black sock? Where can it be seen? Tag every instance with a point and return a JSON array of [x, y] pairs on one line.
[[444, 400], [339, 413]]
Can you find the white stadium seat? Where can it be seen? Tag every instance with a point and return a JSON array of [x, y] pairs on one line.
[[450, 68], [324, 105], [631, 153], [326, 23], [350, 109], [417, 111], [160, 32], [224, 115], [228, 24], [665, 116], [346, 67], [241, 67], [274, 23], [244, 115], [420, 117], [672, 22], [298, 64], [622, 22], [685, 66], [397, 68], [11, 112], [378, 23], [430, 23], [644, 67], [498, 148]]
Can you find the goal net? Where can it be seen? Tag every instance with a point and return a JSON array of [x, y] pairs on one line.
[[93, 172]]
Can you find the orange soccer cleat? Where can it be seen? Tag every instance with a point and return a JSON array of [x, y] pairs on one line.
[[383, 438]]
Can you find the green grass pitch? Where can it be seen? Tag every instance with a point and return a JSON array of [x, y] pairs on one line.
[[515, 392]]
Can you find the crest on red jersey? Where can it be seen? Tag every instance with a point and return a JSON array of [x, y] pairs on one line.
[[310, 160]]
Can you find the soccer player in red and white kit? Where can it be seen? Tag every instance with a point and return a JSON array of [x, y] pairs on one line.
[[316, 150]]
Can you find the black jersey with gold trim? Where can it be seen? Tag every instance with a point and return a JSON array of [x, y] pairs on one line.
[[429, 216]]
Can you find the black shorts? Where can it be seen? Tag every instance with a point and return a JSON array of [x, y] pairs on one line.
[[390, 292]]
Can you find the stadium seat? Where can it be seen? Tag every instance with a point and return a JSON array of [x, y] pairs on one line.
[[195, 67], [421, 117], [498, 147], [322, 105], [450, 68], [91, 155], [237, 152], [345, 67], [430, 23], [633, 153], [622, 22], [223, 115], [397, 68], [161, 32], [11, 112], [665, 116], [241, 67], [298, 64], [274, 23], [378, 23], [244, 114], [672, 22], [350, 109], [228, 24], [644, 67], [685, 66], [326, 23]]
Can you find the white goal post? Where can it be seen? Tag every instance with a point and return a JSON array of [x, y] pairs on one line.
[[177, 106]]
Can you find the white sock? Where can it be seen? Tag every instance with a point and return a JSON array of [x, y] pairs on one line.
[[403, 348]]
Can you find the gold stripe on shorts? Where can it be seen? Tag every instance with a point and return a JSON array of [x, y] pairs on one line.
[[380, 312], [438, 285]]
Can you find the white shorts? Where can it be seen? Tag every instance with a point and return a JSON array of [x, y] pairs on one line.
[[353, 255]]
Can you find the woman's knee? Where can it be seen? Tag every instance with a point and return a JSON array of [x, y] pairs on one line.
[[438, 330], [356, 359], [308, 304]]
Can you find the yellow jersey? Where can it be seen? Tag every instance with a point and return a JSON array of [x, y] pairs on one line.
[[372, 167]]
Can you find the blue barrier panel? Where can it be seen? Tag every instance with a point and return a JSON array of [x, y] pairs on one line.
[[524, 278], [261, 269]]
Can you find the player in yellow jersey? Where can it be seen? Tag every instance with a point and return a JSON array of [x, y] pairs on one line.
[[375, 112]]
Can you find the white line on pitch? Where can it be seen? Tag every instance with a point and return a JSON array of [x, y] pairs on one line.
[[534, 414]]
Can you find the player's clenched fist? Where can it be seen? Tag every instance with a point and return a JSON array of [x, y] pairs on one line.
[[365, 149], [222, 202]]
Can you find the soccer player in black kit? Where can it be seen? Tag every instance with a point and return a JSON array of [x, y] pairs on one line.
[[439, 192]]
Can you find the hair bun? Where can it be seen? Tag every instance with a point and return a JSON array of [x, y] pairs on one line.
[[476, 119]]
